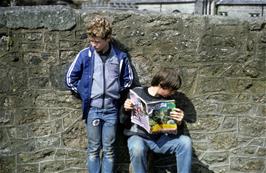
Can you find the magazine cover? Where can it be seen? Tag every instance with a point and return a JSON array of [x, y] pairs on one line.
[[154, 116]]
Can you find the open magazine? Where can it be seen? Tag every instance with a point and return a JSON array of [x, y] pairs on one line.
[[153, 116]]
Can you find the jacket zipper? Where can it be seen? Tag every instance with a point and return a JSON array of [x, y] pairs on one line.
[[103, 84]]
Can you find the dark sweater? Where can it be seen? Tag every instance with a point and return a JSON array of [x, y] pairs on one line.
[[181, 101]]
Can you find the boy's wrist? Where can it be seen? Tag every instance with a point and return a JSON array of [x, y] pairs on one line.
[[127, 110]]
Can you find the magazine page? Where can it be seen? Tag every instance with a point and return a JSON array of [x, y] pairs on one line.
[[160, 120], [139, 113], [154, 116]]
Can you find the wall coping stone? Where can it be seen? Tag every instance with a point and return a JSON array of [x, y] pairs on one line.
[[60, 17], [56, 17]]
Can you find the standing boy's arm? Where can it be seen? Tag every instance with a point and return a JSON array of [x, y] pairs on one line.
[[73, 74], [126, 74]]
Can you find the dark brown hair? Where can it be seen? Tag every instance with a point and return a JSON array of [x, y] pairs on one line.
[[167, 78]]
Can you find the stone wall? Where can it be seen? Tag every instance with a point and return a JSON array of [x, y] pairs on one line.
[[224, 73]]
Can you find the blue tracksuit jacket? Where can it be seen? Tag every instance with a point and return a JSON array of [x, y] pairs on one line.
[[79, 76]]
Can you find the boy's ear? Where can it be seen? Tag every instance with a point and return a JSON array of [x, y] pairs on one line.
[[108, 38], [160, 85]]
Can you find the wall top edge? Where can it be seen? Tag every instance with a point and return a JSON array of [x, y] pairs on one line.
[[57, 17]]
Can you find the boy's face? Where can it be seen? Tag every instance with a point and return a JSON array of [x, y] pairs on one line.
[[166, 92], [100, 44]]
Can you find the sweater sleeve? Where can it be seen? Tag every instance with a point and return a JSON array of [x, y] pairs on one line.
[[184, 103]]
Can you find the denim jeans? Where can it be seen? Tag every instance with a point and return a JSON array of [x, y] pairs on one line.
[[101, 131], [181, 146]]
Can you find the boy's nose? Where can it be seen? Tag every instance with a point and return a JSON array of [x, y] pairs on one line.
[[93, 44]]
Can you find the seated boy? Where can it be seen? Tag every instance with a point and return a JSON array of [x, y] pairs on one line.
[[164, 85]]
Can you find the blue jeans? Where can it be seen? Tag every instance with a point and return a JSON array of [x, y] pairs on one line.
[[181, 146], [101, 131]]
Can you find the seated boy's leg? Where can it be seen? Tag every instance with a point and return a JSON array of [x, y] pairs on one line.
[[184, 154], [138, 154], [181, 146]]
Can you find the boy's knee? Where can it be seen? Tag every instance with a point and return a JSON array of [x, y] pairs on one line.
[[186, 143], [137, 150], [183, 143], [136, 146]]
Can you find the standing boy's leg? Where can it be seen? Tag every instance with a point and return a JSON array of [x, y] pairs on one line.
[[94, 131], [138, 154], [108, 139]]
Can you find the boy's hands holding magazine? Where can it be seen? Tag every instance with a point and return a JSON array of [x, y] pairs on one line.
[[128, 105], [177, 114]]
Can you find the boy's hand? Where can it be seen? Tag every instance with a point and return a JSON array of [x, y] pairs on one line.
[[128, 105], [177, 114]]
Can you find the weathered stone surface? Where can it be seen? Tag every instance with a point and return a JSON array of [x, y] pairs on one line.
[[52, 141], [208, 123], [223, 70], [52, 166], [30, 115], [75, 136], [223, 141], [216, 157], [247, 164], [261, 152], [8, 164], [39, 59], [57, 76], [53, 18], [35, 157], [28, 168], [251, 126]]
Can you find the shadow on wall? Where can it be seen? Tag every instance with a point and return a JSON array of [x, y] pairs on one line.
[[124, 48], [158, 163]]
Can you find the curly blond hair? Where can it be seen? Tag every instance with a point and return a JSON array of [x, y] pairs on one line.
[[99, 27]]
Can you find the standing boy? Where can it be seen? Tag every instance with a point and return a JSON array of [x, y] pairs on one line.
[[164, 85], [98, 74]]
